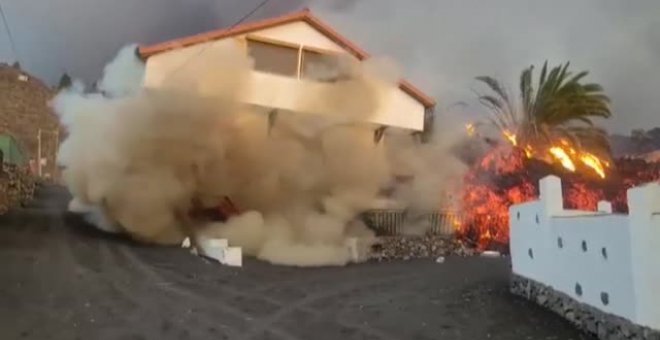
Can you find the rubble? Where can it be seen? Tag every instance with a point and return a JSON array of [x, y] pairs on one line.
[[426, 246], [17, 186]]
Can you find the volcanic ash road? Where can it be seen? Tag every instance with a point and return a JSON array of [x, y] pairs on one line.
[[62, 280]]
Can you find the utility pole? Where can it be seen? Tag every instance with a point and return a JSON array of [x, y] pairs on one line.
[[39, 153]]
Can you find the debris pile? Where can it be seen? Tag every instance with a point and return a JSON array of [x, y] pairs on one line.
[[402, 247], [17, 186]]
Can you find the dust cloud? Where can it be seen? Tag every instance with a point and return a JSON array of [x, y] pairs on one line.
[[136, 158]]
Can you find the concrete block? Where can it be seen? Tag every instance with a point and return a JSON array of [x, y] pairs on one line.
[[216, 253], [233, 256], [213, 243]]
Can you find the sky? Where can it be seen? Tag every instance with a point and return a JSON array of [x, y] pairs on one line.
[[441, 45]]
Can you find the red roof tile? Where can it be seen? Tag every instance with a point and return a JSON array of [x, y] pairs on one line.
[[302, 15]]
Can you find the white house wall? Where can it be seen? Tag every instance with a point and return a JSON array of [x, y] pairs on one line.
[[608, 261], [396, 108]]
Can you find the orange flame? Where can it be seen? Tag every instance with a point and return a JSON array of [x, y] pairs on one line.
[[561, 155], [593, 162], [511, 137], [469, 128]]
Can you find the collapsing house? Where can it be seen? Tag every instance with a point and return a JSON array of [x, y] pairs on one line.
[[285, 49]]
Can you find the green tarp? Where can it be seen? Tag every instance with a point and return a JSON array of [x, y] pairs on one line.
[[10, 150]]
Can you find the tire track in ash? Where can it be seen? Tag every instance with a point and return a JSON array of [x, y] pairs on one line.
[[129, 299], [171, 300], [270, 321], [193, 293], [263, 295], [148, 271]]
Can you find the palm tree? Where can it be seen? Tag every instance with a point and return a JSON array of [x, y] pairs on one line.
[[560, 107]]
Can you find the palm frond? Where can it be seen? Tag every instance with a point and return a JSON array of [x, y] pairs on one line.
[[561, 106]]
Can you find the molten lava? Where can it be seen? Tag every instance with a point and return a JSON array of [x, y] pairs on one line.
[[509, 174]]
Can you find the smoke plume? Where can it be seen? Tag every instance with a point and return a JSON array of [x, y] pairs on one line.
[[136, 158]]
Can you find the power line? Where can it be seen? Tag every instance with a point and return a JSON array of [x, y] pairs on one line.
[[9, 35], [245, 17]]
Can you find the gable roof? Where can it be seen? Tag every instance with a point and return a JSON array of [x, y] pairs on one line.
[[303, 15]]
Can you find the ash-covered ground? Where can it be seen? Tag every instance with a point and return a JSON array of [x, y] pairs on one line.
[[61, 279]]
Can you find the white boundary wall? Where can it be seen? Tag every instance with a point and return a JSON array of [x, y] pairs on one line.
[[609, 261]]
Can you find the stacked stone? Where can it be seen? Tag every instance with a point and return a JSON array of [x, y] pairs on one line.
[[585, 317], [17, 187], [402, 247]]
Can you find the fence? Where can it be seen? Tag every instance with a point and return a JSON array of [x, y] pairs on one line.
[[392, 221]]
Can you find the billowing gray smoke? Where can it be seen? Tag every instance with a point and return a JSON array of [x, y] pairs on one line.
[[135, 159]]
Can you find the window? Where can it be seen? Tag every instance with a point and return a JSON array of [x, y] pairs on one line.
[[319, 66], [294, 60], [272, 58]]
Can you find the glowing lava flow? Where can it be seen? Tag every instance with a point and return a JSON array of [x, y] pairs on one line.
[[509, 174]]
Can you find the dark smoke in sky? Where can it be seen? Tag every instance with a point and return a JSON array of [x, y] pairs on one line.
[[81, 36], [441, 45]]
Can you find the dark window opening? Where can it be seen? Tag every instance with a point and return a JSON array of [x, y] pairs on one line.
[[272, 58]]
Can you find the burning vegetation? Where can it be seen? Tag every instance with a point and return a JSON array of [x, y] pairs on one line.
[[509, 174], [541, 136]]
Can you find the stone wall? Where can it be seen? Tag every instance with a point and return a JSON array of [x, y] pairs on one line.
[[584, 316], [24, 111], [17, 186]]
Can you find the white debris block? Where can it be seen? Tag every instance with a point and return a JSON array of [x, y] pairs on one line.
[[440, 259], [214, 249], [219, 250], [186, 243], [233, 256], [491, 253], [213, 243]]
